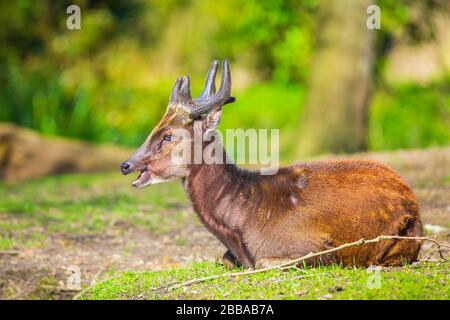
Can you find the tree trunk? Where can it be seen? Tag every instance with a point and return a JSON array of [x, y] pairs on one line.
[[336, 110]]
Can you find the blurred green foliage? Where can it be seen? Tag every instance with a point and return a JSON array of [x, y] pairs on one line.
[[110, 81], [410, 116]]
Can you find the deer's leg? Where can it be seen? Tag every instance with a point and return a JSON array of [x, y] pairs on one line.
[[321, 245], [237, 251], [229, 260], [396, 252]]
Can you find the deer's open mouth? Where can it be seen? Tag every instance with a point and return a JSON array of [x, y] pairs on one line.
[[143, 179]]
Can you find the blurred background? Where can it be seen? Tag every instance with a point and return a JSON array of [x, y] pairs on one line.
[[311, 68], [78, 101]]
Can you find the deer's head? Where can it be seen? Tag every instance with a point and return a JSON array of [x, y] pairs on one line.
[[154, 158]]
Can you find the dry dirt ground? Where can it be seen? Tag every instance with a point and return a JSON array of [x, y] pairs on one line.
[[47, 270]]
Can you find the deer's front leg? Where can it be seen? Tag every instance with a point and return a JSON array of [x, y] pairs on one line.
[[237, 253], [229, 260]]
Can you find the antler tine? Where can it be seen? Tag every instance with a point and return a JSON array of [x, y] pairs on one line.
[[185, 91], [175, 91], [225, 84], [181, 92], [210, 83]]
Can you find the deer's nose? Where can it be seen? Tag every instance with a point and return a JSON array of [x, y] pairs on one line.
[[126, 167]]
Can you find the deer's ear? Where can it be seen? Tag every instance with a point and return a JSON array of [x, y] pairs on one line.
[[212, 120]]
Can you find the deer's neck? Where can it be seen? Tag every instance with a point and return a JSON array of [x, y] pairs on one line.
[[218, 193]]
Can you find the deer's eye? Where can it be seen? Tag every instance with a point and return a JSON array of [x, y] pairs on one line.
[[167, 138]]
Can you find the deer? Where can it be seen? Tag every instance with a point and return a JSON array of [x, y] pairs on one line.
[[267, 220]]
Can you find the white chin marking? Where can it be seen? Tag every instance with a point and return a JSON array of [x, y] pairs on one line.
[[156, 180]]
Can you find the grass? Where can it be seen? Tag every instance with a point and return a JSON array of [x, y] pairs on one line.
[[82, 204], [422, 281], [6, 243]]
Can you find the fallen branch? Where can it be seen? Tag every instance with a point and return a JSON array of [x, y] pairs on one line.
[[296, 261]]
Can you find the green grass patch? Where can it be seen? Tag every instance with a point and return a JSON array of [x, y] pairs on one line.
[[85, 204], [6, 243], [422, 281]]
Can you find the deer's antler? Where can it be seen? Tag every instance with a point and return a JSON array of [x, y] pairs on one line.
[[208, 99]]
